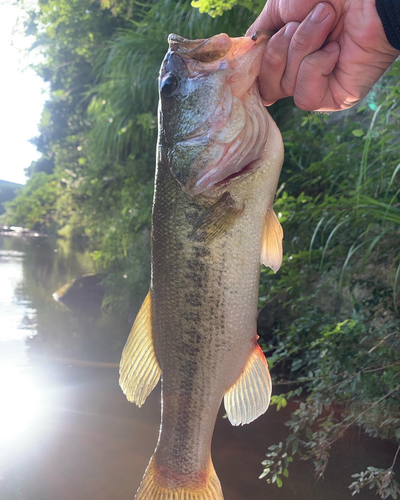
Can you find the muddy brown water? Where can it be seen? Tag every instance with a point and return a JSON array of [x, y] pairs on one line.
[[71, 434]]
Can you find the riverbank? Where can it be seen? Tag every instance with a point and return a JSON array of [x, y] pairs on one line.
[[22, 231]]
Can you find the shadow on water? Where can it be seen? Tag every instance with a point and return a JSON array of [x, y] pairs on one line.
[[68, 432]]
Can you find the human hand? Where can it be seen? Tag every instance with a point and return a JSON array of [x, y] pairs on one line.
[[326, 55]]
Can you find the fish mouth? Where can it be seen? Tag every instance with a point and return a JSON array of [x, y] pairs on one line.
[[209, 50]]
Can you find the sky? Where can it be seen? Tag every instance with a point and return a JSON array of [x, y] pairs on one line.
[[22, 96]]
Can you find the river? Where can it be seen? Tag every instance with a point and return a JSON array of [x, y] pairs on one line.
[[68, 433]]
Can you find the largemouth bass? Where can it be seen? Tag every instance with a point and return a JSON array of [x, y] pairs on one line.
[[218, 161]]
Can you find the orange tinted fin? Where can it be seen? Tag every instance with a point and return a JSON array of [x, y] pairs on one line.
[[271, 251], [139, 369], [162, 485], [249, 396]]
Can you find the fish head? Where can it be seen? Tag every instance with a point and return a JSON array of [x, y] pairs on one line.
[[212, 121]]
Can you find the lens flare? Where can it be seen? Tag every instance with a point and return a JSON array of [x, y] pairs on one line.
[[20, 403]]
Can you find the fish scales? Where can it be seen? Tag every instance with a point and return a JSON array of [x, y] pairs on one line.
[[208, 233]]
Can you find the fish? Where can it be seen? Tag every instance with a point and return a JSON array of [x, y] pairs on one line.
[[219, 156]]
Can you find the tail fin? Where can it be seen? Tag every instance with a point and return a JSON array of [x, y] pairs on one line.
[[158, 483]]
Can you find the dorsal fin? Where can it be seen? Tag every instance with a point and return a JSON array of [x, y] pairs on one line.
[[139, 369], [271, 251], [250, 395]]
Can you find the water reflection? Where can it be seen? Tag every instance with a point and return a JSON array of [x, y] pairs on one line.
[[17, 315], [35, 330], [31, 270]]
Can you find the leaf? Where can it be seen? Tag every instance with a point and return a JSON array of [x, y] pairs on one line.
[[358, 132], [397, 276], [279, 482]]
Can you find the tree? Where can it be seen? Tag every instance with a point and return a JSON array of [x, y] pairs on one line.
[[34, 206], [8, 191]]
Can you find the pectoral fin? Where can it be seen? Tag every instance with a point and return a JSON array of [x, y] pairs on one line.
[[250, 395], [271, 251], [216, 220], [139, 369]]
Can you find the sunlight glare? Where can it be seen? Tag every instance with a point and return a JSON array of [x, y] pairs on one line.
[[20, 403]]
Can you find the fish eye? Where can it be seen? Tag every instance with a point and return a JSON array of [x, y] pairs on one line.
[[169, 85]]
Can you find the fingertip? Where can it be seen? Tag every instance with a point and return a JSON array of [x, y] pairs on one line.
[[321, 12], [290, 29], [331, 48], [267, 103]]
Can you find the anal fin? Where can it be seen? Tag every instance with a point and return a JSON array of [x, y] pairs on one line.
[[250, 395], [139, 369], [271, 251]]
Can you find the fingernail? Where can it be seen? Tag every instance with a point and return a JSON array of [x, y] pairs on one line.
[[320, 13], [290, 29]]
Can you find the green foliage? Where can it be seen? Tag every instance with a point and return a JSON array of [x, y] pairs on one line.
[[382, 479], [34, 206], [330, 317], [219, 7], [69, 34], [276, 465], [8, 191]]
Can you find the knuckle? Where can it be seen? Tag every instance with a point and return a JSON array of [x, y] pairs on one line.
[[300, 42], [310, 65]]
